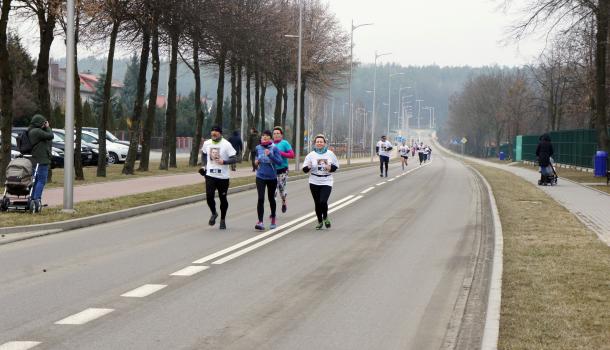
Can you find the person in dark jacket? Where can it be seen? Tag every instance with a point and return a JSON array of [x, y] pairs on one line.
[[41, 137], [544, 152], [238, 145], [253, 141]]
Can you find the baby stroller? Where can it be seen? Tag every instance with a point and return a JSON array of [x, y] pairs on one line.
[[549, 176], [19, 182]]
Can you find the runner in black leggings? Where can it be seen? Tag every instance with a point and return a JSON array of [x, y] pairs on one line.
[[267, 158]]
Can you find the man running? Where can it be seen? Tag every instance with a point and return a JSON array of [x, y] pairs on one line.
[[217, 155], [421, 152], [383, 151], [404, 154], [282, 170]]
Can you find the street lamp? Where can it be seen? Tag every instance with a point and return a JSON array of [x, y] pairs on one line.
[[374, 103], [431, 111], [69, 122], [390, 98], [298, 119], [351, 109], [398, 124], [418, 112]]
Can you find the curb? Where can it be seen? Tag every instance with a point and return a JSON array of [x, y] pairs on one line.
[[40, 230]]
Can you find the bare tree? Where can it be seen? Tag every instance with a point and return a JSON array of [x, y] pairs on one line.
[[6, 92]]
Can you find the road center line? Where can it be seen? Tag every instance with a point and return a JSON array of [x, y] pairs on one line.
[[379, 184], [189, 271], [392, 179], [367, 190], [85, 316], [278, 236], [19, 345], [263, 235], [144, 291]]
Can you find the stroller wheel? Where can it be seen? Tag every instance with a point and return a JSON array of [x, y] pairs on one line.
[[6, 202]]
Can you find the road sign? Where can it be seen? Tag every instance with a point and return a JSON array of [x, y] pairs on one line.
[[464, 140]]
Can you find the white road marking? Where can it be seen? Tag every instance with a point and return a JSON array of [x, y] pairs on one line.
[[263, 235], [379, 184], [19, 345], [367, 190], [278, 236], [392, 179], [144, 291], [85, 316], [189, 271]]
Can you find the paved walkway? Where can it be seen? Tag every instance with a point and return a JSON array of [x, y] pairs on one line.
[[592, 207], [113, 189]]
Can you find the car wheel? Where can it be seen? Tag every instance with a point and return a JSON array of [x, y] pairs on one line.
[[113, 158]]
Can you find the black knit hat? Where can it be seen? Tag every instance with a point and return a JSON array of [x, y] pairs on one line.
[[217, 128]]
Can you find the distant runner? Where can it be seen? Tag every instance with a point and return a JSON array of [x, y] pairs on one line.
[[404, 154], [282, 170], [383, 151]]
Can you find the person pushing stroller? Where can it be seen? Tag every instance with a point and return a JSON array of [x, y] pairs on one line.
[[544, 152]]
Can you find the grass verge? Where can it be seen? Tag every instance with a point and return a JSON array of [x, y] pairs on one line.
[[556, 278], [571, 174]]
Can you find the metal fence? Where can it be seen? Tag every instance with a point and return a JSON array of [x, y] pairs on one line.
[[572, 147]]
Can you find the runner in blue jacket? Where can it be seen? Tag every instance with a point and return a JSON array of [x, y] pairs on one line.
[[267, 159]]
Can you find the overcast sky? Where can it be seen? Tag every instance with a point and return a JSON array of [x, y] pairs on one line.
[[417, 32], [445, 32]]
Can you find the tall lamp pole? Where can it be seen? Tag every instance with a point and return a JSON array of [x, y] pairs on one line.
[[374, 103], [298, 118], [419, 112], [351, 108], [390, 99], [69, 122]]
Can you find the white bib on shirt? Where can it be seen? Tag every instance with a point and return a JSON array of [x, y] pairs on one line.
[[384, 148]]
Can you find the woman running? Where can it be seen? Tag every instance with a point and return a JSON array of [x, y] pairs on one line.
[[404, 154], [267, 158], [320, 164], [282, 170]]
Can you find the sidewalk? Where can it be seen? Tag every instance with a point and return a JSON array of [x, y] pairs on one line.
[[112, 189], [590, 206]]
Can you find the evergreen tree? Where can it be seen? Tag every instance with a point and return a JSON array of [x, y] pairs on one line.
[[130, 84], [89, 118], [97, 101]]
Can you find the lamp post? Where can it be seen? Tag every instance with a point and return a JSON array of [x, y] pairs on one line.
[[430, 110], [390, 98], [298, 118], [418, 112], [398, 124], [374, 103], [69, 122], [351, 109]]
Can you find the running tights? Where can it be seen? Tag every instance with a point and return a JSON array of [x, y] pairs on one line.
[[320, 196], [270, 185], [383, 161], [222, 185]]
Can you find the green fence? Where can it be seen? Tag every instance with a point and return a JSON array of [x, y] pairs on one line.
[[574, 147]]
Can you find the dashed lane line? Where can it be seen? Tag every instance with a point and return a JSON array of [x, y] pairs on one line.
[[19, 345], [189, 271], [278, 236], [85, 316], [367, 190], [144, 291], [379, 184], [263, 235]]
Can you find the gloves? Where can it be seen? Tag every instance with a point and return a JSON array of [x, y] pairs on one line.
[[201, 171]]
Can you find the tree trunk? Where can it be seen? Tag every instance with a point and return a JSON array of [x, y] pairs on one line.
[[263, 84], [6, 92], [249, 115], [221, 87], [294, 115], [277, 113], [106, 107], [138, 107], [302, 113], [285, 105], [168, 157], [46, 27], [232, 121], [152, 99], [601, 123], [238, 91], [78, 109], [257, 96], [193, 160]]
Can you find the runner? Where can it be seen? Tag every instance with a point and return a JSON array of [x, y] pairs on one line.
[[383, 151], [217, 155], [267, 158], [282, 170], [321, 163], [404, 154], [421, 152]]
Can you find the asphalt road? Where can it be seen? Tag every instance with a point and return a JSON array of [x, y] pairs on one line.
[[387, 275]]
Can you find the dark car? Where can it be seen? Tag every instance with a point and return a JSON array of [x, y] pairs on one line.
[[57, 155], [86, 153], [60, 135]]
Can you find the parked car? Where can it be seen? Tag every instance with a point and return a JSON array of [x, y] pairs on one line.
[[117, 152], [61, 135], [86, 153], [110, 137], [57, 155]]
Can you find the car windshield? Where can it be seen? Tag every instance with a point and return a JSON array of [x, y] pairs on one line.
[[111, 137], [60, 136], [88, 138]]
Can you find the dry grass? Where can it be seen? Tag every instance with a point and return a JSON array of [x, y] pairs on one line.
[[556, 280], [571, 174], [89, 208]]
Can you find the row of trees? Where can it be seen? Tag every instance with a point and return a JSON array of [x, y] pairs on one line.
[[564, 89], [244, 39]]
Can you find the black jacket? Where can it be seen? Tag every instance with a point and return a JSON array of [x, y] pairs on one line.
[[236, 142], [544, 151]]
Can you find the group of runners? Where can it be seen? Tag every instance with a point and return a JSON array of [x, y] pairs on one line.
[[384, 148], [270, 161]]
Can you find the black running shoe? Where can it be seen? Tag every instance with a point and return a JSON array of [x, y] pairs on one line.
[[222, 225], [284, 207], [212, 219], [380, 175]]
